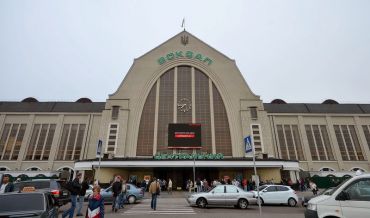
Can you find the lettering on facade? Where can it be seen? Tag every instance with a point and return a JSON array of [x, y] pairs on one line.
[[218, 156], [184, 54]]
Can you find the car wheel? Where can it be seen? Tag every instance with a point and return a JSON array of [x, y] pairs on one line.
[[131, 199], [243, 203], [202, 203], [292, 202]]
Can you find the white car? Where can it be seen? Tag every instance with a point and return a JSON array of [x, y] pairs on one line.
[[277, 194], [223, 195], [351, 199]]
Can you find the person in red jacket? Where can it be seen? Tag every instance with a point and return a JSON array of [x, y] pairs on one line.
[[95, 208]]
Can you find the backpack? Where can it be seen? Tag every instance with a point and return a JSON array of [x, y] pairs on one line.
[[157, 190], [69, 186]]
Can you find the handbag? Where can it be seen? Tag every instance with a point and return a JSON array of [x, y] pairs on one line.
[[157, 190]]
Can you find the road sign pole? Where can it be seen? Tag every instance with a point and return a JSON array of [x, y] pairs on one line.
[[249, 147], [98, 152], [194, 152], [257, 182]]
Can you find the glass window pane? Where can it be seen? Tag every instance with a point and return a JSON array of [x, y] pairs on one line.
[[11, 141], [32, 145], [298, 143], [348, 142], [49, 142], [4, 137], [63, 142], [282, 144], [356, 143], [341, 145], [19, 141]]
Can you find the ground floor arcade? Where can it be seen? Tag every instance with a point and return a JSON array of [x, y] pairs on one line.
[[182, 170]]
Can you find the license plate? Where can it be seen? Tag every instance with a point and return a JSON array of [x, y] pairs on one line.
[[65, 194]]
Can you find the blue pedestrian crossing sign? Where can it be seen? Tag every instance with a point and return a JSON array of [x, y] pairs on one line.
[[248, 144]]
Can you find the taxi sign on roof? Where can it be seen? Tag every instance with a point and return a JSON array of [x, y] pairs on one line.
[[28, 189]]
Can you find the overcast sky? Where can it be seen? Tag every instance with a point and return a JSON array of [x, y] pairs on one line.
[[302, 51]]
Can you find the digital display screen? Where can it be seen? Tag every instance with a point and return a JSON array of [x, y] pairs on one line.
[[184, 135]]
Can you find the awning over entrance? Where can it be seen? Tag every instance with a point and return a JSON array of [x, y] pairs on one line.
[[90, 164]]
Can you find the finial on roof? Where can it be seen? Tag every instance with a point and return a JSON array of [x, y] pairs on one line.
[[183, 23]]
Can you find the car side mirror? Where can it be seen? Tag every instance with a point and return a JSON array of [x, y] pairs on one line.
[[343, 196], [213, 192]]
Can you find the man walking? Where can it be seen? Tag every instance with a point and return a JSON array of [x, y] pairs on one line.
[[81, 197], [154, 189], [169, 189], [74, 187], [6, 186], [116, 188]]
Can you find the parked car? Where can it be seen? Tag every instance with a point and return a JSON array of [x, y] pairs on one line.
[[55, 187], [133, 194], [277, 194], [350, 199], [28, 204], [324, 192], [223, 195]]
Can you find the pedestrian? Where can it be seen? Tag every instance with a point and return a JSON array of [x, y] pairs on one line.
[[190, 185], [313, 187], [6, 185], [81, 197], [75, 188], [244, 184], [169, 189], [154, 189], [95, 207], [123, 194], [116, 188], [302, 185], [199, 185]]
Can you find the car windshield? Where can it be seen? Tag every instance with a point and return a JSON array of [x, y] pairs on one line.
[[21, 202], [335, 188], [327, 191]]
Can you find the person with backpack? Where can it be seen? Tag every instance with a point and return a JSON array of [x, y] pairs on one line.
[[75, 188], [155, 190], [116, 188]]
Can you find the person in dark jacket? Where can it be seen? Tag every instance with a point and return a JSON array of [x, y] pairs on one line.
[[74, 187], [6, 185], [116, 189], [81, 196], [95, 208]]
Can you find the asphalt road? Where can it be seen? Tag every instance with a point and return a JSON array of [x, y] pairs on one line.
[[175, 205]]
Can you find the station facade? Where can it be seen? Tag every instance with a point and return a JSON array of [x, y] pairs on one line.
[[184, 80]]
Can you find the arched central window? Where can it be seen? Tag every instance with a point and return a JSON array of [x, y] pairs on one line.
[[183, 94]]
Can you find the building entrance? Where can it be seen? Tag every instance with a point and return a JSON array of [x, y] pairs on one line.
[[179, 176]]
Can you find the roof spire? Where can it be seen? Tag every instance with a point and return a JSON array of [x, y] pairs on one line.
[[183, 23]]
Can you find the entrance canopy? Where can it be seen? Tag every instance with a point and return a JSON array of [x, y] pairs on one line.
[[228, 163]]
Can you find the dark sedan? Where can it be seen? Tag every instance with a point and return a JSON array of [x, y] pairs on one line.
[[29, 204], [55, 187]]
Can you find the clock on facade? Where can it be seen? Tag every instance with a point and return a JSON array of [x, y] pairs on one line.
[[184, 105]]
